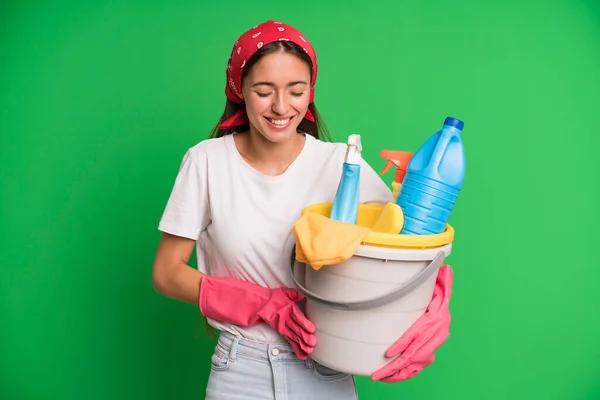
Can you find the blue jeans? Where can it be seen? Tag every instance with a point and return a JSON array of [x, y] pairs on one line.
[[243, 369]]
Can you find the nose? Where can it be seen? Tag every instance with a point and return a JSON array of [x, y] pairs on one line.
[[280, 104]]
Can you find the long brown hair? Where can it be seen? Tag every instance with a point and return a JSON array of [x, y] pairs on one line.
[[316, 128]]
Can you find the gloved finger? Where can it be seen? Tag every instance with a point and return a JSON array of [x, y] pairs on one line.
[[408, 337], [445, 275], [424, 357], [299, 342], [402, 375], [384, 372], [293, 294], [298, 350], [414, 373], [437, 301], [418, 341], [307, 344], [301, 320], [426, 352], [444, 284], [390, 369], [442, 290], [309, 338], [398, 369], [410, 371], [296, 333]]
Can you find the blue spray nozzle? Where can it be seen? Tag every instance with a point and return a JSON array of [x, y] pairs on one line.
[[455, 123]]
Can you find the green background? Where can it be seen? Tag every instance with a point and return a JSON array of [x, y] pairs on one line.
[[100, 99]]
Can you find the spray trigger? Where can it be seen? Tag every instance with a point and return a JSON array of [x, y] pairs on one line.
[[398, 159]]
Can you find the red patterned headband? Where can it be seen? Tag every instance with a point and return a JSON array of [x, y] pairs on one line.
[[246, 45]]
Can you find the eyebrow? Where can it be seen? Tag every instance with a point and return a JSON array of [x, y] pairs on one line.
[[272, 84]]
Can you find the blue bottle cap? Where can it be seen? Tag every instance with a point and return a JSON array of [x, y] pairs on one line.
[[456, 123]]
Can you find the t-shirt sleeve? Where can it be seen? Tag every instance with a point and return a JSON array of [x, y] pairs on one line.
[[372, 188], [187, 212]]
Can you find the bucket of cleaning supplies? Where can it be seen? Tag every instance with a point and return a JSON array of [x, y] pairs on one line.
[[363, 304]]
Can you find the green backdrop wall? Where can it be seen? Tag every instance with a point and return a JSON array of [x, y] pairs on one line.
[[100, 99]]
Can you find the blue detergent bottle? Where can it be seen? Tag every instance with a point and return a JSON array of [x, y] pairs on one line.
[[345, 202], [433, 181]]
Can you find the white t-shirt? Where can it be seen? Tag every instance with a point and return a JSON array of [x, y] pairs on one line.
[[243, 219]]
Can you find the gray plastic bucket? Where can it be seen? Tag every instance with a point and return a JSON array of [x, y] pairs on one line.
[[364, 304]]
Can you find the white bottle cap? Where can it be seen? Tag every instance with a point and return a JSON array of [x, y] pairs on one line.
[[354, 149]]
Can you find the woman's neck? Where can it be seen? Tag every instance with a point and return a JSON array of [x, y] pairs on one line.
[[267, 157]]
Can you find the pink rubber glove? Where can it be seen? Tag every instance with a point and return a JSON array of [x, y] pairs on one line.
[[246, 304], [418, 344]]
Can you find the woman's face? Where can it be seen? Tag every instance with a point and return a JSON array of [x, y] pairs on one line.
[[277, 92]]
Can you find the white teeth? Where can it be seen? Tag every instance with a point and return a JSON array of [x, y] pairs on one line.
[[279, 121]]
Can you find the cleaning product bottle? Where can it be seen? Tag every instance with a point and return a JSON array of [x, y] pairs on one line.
[[400, 160], [433, 181], [345, 203]]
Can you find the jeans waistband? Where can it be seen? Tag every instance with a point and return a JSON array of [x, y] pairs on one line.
[[234, 346]]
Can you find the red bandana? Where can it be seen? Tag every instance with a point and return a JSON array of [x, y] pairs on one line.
[[245, 47]]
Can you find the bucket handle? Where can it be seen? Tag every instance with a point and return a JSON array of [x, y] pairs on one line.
[[387, 298]]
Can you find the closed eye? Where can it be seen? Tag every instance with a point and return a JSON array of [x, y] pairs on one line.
[[295, 94]]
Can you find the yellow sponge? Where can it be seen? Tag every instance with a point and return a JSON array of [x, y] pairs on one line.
[[391, 219]]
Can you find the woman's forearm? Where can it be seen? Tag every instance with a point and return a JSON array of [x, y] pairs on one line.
[[171, 275], [179, 281]]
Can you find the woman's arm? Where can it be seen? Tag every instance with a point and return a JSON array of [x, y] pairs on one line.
[[171, 275], [230, 300]]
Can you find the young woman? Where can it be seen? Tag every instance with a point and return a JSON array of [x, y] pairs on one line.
[[236, 198]]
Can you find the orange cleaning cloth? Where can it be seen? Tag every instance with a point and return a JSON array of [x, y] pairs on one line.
[[322, 241]]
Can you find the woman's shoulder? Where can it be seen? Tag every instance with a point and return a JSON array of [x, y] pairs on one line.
[[211, 147], [331, 148]]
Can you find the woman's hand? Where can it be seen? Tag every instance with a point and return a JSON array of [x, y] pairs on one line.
[[418, 344], [230, 300], [247, 304]]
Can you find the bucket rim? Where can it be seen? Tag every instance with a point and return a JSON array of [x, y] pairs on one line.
[[377, 301], [402, 254], [389, 240]]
